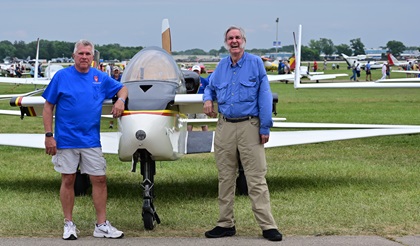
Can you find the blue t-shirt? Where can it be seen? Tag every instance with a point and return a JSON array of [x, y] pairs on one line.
[[242, 90], [203, 83], [78, 99]]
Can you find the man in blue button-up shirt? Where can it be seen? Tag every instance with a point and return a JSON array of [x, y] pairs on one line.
[[240, 86]]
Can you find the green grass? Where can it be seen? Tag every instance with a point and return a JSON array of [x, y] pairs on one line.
[[353, 187]]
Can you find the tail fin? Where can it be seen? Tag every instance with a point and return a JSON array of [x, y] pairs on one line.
[[96, 59], [166, 36], [297, 58], [392, 61], [292, 62], [36, 60]]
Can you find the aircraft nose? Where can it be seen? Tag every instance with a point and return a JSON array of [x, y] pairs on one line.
[[140, 135]]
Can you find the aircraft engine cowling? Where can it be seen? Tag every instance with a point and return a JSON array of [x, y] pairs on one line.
[[161, 133]]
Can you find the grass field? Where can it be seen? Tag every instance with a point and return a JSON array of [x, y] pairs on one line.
[[353, 187]]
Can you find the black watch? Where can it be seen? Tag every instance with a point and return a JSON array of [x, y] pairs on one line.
[[49, 134]]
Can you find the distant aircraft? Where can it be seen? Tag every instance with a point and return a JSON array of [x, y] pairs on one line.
[[270, 65], [153, 126], [392, 61], [49, 72], [387, 83], [351, 59]]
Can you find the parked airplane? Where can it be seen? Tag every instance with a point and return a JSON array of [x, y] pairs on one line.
[[392, 61], [351, 59], [49, 72], [36, 80], [390, 83], [153, 126], [270, 65]]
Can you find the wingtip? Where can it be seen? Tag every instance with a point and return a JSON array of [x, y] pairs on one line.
[[165, 25]]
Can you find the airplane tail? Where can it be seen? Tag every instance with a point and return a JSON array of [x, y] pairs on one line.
[[392, 61], [348, 60], [166, 36], [36, 60], [96, 59], [292, 62], [298, 57]]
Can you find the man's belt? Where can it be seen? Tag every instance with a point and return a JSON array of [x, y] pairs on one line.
[[236, 120]]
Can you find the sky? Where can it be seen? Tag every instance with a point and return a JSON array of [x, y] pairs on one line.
[[201, 23]]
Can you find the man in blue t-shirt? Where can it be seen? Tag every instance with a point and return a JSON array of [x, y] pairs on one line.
[[203, 83], [77, 94]]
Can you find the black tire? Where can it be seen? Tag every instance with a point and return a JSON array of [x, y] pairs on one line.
[[241, 186], [81, 185], [148, 221]]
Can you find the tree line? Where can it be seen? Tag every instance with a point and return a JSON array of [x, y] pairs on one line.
[[57, 49]]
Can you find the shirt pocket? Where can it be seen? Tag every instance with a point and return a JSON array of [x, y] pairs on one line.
[[97, 88], [221, 92], [248, 90]]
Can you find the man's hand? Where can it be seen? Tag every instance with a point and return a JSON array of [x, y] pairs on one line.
[[50, 146], [264, 138], [209, 109], [117, 109]]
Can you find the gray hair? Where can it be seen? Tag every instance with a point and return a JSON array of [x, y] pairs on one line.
[[242, 31], [85, 43]]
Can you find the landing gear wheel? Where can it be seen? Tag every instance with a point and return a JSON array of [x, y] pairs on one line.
[[148, 221], [148, 170], [81, 185], [241, 186]]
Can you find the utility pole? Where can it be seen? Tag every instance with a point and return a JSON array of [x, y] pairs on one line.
[[277, 34]]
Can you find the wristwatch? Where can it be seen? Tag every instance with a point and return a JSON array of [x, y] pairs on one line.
[[49, 134]]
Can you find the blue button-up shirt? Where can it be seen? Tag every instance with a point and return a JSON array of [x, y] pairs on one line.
[[242, 90]]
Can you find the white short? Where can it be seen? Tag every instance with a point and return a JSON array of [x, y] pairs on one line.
[[90, 161], [197, 116]]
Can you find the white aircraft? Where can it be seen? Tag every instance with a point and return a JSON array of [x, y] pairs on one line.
[[351, 59], [389, 83], [392, 61], [312, 76], [49, 73], [153, 126]]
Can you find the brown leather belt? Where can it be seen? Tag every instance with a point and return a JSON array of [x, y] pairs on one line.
[[236, 120]]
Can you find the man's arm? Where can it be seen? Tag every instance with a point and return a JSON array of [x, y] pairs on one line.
[[47, 117], [119, 105]]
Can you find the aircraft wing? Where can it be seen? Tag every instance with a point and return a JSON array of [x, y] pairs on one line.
[[399, 80], [26, 81], [189, 103], [327, 76], [202, 142], [341, 126], [9, 96], [109, 141], [10, 112], [317, 136], [404, 71], [280, 77], [33, 106]]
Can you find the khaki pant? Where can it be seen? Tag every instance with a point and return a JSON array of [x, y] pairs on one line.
[[244, 137]]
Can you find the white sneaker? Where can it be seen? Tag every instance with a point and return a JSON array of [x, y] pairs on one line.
[[107, 230], [70, 231]]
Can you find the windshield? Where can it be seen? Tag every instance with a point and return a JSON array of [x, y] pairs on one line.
[[152, 64]]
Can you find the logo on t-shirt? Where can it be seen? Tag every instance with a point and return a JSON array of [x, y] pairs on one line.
[[95, 78]]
